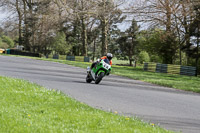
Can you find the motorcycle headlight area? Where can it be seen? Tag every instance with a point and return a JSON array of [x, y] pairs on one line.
[[106, 66]]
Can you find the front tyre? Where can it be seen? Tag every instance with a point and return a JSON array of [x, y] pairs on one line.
[[88, 79], [98, 80]]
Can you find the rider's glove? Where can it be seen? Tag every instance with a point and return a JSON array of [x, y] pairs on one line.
[[98, 60]]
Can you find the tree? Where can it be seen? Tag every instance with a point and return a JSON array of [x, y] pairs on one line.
[[114, 34], [155, 12], [182, 19], [128, 42], [81, 16], [60, 45], [187, 18], [80, 12], [194, 31], [3, 45], [108, 13], [156, 43], [14, 7], [19, 12], [172, 16], [39, 21], [143, 57]]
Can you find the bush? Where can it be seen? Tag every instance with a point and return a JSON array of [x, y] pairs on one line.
[[3, 45], [6, 42], [60, 45], [143, 57], [155, 58]]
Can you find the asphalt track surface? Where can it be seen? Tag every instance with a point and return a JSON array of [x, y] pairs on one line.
[[170, 108]]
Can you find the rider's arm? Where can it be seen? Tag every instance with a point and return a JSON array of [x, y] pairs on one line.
[[111, 62]]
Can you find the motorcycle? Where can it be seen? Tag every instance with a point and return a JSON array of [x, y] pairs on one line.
[[101, 69]]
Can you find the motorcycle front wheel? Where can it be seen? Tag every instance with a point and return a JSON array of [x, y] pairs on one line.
[[99, 78], [88, 79]]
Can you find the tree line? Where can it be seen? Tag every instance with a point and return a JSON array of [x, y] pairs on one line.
[[165, 31], [42, 24]]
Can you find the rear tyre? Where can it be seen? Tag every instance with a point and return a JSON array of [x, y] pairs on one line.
[[98, 80], [88, 79]]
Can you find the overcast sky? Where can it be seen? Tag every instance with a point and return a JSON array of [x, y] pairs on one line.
[[2, 15]]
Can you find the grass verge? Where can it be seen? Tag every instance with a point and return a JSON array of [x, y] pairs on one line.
[[27, 107]]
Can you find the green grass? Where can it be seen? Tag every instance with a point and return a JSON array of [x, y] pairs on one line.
[[27, 107], [188, 83]]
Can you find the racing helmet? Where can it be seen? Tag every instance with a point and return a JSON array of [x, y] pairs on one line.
[[109, 56]]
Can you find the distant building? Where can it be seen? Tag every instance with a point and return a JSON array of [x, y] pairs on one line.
[[20, 47]]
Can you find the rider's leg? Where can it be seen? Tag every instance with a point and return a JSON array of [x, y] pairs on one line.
[[93, 65]]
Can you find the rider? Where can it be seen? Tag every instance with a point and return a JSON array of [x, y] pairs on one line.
[[109, 56]]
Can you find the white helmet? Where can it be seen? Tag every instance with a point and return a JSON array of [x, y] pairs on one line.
[[109, 56]]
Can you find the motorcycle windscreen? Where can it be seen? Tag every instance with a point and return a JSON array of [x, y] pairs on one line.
[[106, 61]]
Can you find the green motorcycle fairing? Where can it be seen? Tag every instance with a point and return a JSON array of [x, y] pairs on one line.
[[103, 66]]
